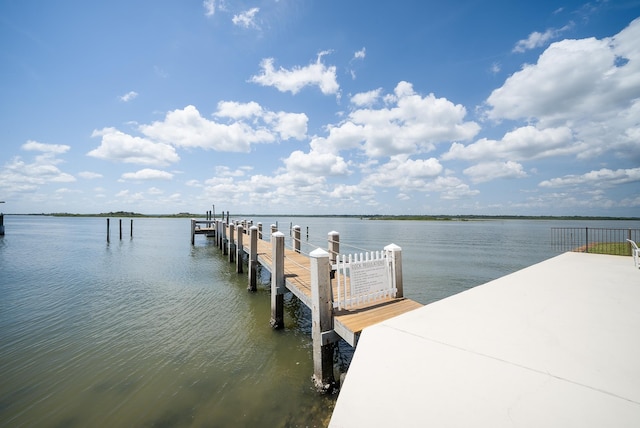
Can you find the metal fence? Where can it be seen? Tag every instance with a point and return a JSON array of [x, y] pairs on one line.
[[593, 240]]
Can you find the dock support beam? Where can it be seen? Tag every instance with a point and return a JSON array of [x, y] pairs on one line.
[[239, 250], [278, 287], [322, 321], [253, 258]]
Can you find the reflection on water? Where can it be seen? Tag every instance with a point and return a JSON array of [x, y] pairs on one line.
[[151, 331]]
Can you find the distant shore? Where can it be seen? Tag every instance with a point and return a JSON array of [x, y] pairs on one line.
[[457, 217]]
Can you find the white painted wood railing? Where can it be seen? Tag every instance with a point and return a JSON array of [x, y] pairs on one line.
[[367, 277]]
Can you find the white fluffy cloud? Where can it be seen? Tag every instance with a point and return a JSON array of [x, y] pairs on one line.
[[525, 143], [601, 178], [293, 80], [409, 123], [147, 174], [118, 146], [487, 171], [246, 19]]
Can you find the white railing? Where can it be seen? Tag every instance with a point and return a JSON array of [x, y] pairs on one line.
[[365, 277]]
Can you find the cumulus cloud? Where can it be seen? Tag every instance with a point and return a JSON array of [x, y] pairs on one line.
[[409, 124], [147, 174], [316, 163], [89, 175], [128, 96], [487, 171], [368, 98], [246, 19], [600, 178], [295, 79], [45, 148], [589, 85], [209, 7], [18, 176], [536, 39], [524, 143], [118, 146]]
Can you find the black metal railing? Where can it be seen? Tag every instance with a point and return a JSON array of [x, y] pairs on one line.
[[593, 240]]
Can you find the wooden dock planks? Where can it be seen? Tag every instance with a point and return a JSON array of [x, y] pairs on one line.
[[348, 323]]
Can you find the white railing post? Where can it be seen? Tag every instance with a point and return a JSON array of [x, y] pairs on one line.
[[296, 238], [394, 253], [240, 249], [278, 287], [253, 258], [322, 321], [334, 246]]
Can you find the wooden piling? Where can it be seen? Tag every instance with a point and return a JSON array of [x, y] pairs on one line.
[[225, 240], [239, 249], [232, 242], [259, 230], [107, 230], [193, 231], [253, 258], [131, 229], [278, 287], [322, 321]]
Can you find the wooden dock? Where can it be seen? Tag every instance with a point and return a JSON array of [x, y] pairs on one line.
[[322, 280]]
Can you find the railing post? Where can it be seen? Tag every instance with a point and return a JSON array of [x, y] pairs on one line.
[[322, 321], [240, 249], [253, 257], [394, 253], [259, 230], [232, 242], [193, 231], [296, 239], [278, 287], [334, 248], [586, 239]]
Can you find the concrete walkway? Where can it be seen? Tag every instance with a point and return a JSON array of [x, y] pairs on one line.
[[553, 345]]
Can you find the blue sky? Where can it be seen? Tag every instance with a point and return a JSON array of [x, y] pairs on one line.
[[321, 107]]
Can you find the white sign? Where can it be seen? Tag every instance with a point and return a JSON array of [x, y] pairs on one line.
[[369, 276]]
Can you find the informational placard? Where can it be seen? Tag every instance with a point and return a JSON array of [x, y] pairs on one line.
[[368, 276]]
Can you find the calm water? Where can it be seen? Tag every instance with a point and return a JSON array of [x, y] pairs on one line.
[[151, 331]]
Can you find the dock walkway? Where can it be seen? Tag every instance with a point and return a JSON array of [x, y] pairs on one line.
[[299, 277]]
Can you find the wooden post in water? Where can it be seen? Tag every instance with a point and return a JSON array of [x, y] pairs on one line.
[[131, 229], [193, 231], [232, 242], [253, 258], [296, 238], [239, 250], [259, 230], [394, 253], [322, 321], [107, 230], [1, 223], [278, 287], [225, 241], [120, 223]]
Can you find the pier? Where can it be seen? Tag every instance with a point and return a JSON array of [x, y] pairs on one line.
[[345, 292]]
